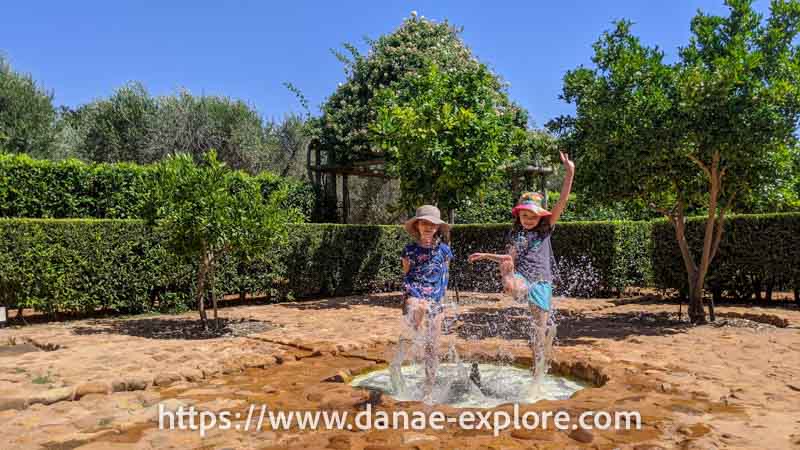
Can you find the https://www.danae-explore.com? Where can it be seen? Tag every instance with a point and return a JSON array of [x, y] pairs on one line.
[[261, 418]]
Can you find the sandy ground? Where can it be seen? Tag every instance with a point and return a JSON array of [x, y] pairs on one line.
[[96, 384]]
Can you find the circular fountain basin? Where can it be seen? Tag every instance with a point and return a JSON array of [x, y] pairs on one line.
[[457, 385]]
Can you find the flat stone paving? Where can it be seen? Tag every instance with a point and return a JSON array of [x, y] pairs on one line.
[[96, 384]]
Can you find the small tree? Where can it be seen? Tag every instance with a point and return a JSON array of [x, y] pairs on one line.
[[27, 115], [695, 134], [446, 133], [210, 211]]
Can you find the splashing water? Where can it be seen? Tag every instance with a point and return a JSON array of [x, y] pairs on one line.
[[420, 344], [419, 371], [455, 386]]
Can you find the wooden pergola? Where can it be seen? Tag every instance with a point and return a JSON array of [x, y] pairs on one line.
[[326, 177], [525, 177]]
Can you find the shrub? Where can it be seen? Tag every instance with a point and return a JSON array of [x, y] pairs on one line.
[[764, 246], [79, 265], [34, 188]]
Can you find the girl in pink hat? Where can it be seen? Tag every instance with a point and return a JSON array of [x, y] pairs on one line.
[[526, 268]]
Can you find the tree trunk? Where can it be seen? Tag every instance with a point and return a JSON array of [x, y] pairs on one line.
[[769, 286], [242, 296], [716, 294], [201, 280], [757, 289], [715, 223], [697, 311], [711, 315], [212, 291]]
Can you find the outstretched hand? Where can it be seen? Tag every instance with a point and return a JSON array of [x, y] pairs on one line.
[[475, 257], [569, 165]]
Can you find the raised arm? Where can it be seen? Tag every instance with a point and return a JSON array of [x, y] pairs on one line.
[[566, 188]]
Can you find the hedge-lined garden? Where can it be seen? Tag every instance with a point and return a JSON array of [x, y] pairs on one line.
[[757, 253], [39, 188], [121, 265]]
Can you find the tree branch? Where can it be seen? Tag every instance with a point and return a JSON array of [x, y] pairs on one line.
[[720, 225], [680, 234], [701, 165], [714, 190]]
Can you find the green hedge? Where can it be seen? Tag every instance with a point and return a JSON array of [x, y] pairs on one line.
[[77, 265], [764, 247], [34, 188], [83, 265], [592, 258]]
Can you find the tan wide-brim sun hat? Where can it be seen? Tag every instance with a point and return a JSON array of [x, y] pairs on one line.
[[429, 213]]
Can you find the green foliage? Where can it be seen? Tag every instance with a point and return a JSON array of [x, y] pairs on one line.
[[196, 124], [210, 213], [79, 266], [36, 188], [343, 126], [343, 259], [640, 122], [445, 133], [763, 246], [210, 208], [580, 209], [133, 126], [288, 141], [694, 135], [116, 129], [493, 205], [27, 115], [69, 189], [421, 100]]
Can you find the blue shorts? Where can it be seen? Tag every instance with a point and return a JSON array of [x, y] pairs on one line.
[[540, 294]]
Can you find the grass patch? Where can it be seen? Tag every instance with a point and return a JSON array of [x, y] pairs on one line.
[[43, 379]]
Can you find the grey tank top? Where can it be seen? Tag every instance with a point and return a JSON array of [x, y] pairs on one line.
[[534, 254]]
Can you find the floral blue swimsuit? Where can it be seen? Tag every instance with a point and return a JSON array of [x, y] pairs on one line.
[[427, 277]]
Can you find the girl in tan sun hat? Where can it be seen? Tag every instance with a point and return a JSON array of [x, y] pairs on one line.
[[425, 275], [526, 269]]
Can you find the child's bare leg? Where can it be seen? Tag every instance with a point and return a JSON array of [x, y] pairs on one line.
[[434, 325], [512, 285], [415, 312], [412, 318], [539, 339]]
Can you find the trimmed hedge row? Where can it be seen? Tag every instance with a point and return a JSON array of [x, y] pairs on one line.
[[83, 265], [762, 247], [119, 265], [591, 257], [38, 188]]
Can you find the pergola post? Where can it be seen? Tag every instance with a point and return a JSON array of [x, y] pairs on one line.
[[543, 188], [345, 200]]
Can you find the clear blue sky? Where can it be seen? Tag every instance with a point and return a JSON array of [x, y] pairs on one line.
[[82, 50]]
